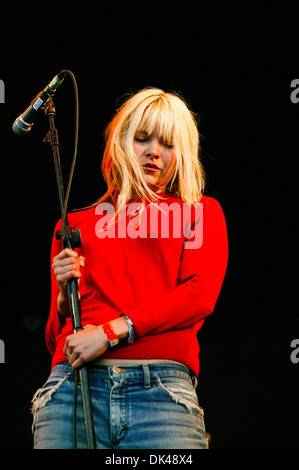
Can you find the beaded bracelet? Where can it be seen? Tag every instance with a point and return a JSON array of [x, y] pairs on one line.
[[110, 333]]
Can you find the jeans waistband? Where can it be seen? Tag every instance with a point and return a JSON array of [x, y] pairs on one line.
[[133, 362], [146, 370]]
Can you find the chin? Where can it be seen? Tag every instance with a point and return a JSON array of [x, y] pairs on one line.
[[152, 182]]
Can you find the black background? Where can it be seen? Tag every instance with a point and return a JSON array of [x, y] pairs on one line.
[[234, 63]]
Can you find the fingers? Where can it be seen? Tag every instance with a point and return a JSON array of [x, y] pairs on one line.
[[68, 256], [66, 265], [85, 345], [65, 253], [68, 350], [74, 358]]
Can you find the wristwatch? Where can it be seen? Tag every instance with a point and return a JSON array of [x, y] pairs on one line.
[[131, 337]]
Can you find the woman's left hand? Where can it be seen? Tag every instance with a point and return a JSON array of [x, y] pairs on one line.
[[85, 345]]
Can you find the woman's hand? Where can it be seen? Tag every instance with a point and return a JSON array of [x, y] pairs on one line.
[[91, 342], [66, 265], [85, 345]]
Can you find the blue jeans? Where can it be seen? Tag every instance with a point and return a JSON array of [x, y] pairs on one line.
[[135, 407]]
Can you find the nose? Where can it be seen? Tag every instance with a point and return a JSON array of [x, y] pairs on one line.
[[153, 149]]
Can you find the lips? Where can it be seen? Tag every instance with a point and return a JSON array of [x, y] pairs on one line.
[[151, 166]]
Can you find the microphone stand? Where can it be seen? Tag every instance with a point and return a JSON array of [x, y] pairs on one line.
[[70, 239]]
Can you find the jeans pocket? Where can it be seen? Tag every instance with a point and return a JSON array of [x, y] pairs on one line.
[[181, 391], [44, 394]]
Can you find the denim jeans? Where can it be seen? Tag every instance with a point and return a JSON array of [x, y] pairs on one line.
[[151, 406]]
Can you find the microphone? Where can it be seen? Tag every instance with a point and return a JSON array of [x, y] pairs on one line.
[[25, 121]]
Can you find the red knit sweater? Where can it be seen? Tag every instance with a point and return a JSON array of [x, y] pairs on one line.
[[166, 289]]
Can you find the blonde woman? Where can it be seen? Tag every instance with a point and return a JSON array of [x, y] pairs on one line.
[[152, 263]]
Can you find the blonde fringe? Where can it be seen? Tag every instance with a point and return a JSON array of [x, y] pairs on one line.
[[122, 172]]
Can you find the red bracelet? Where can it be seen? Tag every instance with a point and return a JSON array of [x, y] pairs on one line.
[[110, 333]]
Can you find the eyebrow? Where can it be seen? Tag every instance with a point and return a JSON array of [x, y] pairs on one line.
[[142, 132]]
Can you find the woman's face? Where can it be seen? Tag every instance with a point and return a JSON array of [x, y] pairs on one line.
[[157, 158]]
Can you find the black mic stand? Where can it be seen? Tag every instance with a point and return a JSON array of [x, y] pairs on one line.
[[70, 239]]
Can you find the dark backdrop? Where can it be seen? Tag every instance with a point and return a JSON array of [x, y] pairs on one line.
[[234, 63]]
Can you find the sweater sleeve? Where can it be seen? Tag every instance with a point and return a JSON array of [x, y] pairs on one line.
[[201, 276], [53, 326]]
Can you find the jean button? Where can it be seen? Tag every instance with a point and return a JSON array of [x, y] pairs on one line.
[[116, 370]]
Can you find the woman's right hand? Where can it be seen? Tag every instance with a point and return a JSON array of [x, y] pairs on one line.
[[66, 265]]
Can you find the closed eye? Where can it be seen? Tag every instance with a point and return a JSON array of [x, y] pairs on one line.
[[146, 138], [169, 146]]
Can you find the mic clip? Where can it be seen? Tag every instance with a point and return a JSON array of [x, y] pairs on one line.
[[51, 138], [73, 234]]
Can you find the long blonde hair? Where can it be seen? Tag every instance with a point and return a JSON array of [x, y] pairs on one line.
[[144, 111]]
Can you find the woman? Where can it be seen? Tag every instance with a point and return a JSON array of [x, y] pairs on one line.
[[152, 263]]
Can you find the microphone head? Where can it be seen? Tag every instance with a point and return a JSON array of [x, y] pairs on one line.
[[21, 127]]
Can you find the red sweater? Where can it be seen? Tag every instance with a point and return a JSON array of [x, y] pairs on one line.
[[166, 289]]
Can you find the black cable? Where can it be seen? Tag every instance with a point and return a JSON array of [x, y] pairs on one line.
[[64, 219], [74, 410], [64, 212]]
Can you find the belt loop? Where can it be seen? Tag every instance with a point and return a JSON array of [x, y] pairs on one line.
[[194, 382], [146, 376]]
